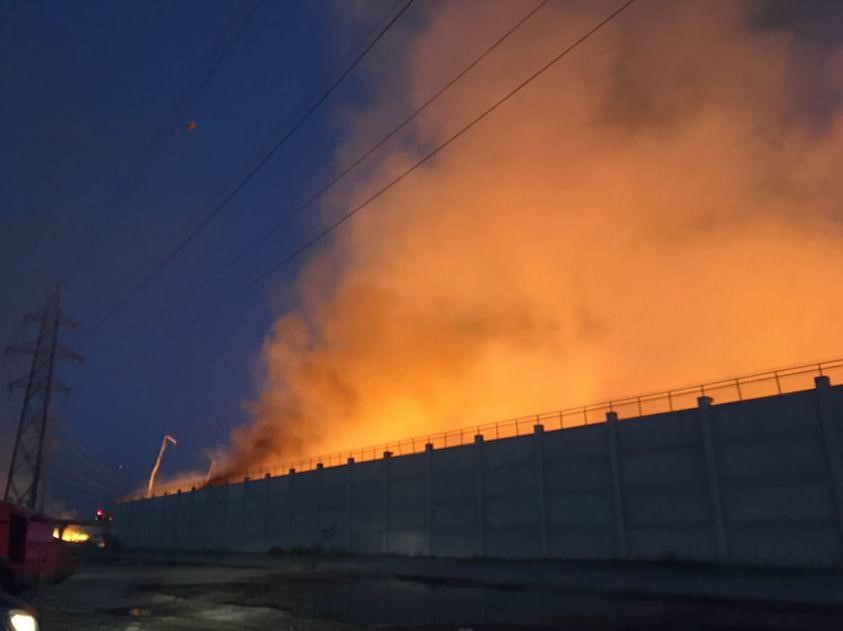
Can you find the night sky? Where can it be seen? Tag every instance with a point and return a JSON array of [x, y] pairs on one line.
[[87, 91]]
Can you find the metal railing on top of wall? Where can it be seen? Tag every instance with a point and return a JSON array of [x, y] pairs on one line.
[[753, 386]]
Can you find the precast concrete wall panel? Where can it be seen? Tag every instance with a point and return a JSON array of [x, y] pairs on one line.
[[757, 481], [176, 518], [332, 508], [196, 537], [149, 529], [510, 498], [278, 521], [155, 528], [667, 512], [369, 505], [304, 508], [232, 516], [580, 526], [454, 497], [836, 412], [253, 520], [777, 489], [408, 515], [577, 482], [215, 511], [577, 460]]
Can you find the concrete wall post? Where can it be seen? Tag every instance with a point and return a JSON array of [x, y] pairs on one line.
[[194, 537], [541, 500], [140, 514], [428, 475], [178, 526], [244, 510], [193, 525], [291, 502], [387, 457], [134, 529], [319, 475], [617, 483], [266, 531], [180, 531], [206, 523], [223, 543], [154, 523], [159, 524], [151, 528], [831, 434], [162, 516], [122, 517], [712, 477], [479, 501], [186, 529], [116, 511], [349, 503], [140, 529], [172, 537]]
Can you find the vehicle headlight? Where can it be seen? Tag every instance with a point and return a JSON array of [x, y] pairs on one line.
[[22, 621]]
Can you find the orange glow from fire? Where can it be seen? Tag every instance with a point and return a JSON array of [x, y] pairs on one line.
[[71, 534], [661, 208]]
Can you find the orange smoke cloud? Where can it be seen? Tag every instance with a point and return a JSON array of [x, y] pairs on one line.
[[660, 208]]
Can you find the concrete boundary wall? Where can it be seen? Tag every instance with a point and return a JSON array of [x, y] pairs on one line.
[[757, 481]]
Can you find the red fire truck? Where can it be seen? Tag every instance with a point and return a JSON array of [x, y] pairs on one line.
[[29, 551]]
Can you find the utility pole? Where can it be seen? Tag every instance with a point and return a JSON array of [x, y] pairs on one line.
[[25, 482]]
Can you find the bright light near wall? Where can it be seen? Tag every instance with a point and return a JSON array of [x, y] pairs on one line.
[[22, 621], [71, 535]]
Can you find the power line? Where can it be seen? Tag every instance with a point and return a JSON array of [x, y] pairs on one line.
[[222, 49], [244, 181], [78, 470], [265, 236], [350, 54], [73, 463], [423, 160], [77, 448], [66, 470], [70, 475], [372, 31]]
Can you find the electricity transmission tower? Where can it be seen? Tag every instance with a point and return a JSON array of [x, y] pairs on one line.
[[25, 482]]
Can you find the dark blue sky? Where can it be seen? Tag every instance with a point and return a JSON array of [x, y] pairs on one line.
[[87, 89]]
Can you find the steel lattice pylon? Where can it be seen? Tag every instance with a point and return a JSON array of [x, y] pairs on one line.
[[24, 484]]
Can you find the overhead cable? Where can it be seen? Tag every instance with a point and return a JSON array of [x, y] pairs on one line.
[[334, 225], [248, 177]]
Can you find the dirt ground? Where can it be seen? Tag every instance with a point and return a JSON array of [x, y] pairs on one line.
[[133, 592]]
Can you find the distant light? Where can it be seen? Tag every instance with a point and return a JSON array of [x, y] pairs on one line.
[[22, 621], [74, 535], [100, 512]]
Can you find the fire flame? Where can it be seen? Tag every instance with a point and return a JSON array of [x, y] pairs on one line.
[[71, 534]]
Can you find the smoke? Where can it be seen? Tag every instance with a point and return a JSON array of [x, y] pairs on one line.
[[662, 207]]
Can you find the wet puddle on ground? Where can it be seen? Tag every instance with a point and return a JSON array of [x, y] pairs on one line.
[[393, 603]]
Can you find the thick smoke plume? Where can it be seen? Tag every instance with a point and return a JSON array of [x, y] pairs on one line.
[[662, 207]]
